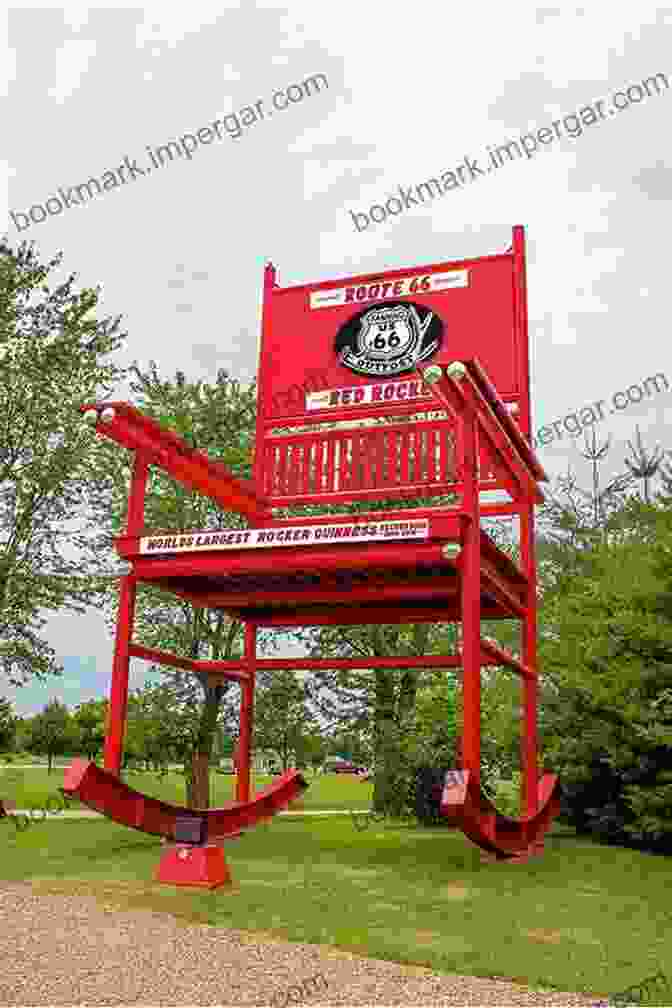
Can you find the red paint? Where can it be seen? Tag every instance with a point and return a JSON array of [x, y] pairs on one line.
[[475, 445], [198, 867], [116, 715], [481, 320], [246, 716], [104, 792]]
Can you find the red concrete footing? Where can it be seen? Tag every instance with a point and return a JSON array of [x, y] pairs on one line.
[[204, 866]]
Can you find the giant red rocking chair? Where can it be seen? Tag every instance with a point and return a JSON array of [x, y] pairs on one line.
[[427, 397]]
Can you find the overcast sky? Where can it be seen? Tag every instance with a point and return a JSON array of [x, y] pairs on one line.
[[412, 91]]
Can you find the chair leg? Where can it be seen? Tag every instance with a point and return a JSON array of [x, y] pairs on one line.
[[116, 717], [246, 716]]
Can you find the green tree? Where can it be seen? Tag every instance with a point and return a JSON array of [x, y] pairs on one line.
[[226, 745], [52, 347], [7, 725], [311, 750], [501, 721], [51, 732], [434, 730], [22, 730], [88, 722], [378, 703], [607, 656], [352, 746], [158, 731], [282, 722]]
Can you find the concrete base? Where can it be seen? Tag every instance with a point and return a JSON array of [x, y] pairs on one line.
[[203, 867]]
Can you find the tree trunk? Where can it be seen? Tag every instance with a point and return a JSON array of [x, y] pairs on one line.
[[199, 796], [393, 710], [385, 742], [198, 768]]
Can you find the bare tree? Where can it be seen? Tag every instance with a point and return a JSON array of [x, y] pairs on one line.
[[644, 466]]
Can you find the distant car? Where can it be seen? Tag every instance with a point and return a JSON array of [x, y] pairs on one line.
[[347, 768]]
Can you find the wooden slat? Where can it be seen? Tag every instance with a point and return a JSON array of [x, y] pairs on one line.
[[447, 455], [347, 462], [443, 451], [270, 471], [417, 453], [293, 471], [405, 453], [381, 448], [321, 463], [371, 461], [394, 439], [439, 455], [356, 462], [422, 455], [305, 463], [368, 481], [315, 467], [312, 467], [321, 449], [281, 468], [432, 451], [338, 466], [331, 464], [431, 456]]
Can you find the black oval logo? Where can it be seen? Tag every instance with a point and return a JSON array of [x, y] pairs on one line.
[[388, 338]]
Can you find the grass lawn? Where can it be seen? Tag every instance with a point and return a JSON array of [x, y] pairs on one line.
[[31, 788], [583, 918]]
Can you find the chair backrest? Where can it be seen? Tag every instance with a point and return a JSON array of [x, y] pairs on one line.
[[412, 459], [343, 414]]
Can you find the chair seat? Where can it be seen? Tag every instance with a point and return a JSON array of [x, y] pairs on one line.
[[418, 577]]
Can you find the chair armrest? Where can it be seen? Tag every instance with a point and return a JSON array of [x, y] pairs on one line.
[[126, 425]]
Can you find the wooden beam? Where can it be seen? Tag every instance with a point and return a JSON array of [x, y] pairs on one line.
[[288, 559], [225, 669], [137, 432], [492, 583], [443, 588], [358, 615], [457, 395], [501, 656]]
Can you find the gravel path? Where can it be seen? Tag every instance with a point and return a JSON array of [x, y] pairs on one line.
[[74, 950]]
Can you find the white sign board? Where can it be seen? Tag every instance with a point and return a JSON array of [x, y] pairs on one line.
[[364, 395], [294, 535], [419, 283]]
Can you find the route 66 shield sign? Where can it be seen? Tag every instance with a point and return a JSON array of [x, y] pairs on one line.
[[389, 338]]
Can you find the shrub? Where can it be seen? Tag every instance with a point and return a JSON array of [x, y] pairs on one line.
[[630, 806], [428, 787]]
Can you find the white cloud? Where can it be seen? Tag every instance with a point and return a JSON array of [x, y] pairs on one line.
[[410, 94], [72, 62]]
